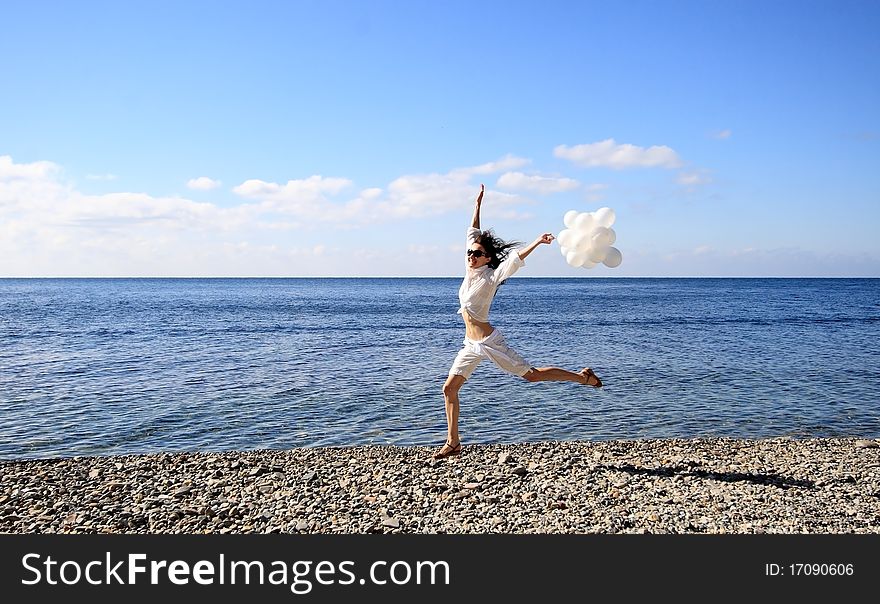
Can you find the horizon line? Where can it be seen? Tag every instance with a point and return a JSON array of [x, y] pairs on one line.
[[36, 277]]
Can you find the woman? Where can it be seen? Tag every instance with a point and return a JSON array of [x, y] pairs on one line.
[[489, 262]]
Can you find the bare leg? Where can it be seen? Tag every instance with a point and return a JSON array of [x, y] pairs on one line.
[[450, 395], [555, 374]]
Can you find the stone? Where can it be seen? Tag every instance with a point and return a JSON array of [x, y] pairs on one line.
[[791, 486]]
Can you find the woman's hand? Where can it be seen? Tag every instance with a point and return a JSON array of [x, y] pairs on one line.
[[545, 238], [475, 223]]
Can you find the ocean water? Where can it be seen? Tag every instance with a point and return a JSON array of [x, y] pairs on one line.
[[116, 366]]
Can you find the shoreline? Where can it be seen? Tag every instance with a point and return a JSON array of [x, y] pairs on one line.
[[351, 277], [703, 485]]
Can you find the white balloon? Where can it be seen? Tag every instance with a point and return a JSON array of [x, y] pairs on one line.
[[604, 217], [601, 237], [575, 259], [580, 241], [583, 221], [613, 258], [597, 254], [565, 236], [587, 239]]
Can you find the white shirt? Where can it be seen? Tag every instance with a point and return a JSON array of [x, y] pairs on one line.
[[478, 288]]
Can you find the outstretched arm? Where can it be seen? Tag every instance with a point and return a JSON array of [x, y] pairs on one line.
[[476, 222], [545, 238]]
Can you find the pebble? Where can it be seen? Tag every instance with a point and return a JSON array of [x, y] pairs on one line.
[[867, 444], [711, 485]]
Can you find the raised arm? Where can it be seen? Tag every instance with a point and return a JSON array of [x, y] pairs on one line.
[[545, 238], [476, 222]]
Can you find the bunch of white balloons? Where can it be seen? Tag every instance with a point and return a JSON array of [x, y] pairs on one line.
[[586, 240]]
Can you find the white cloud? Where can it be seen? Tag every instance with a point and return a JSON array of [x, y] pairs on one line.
[[508, 162], [722, 134], [423, 195], [120, 209], [311, 188], [101, 177], [203, 183], [406, 197], [418, 195], [536, 183], [608, 154], [33, 171], [694, 178], [305, 198], [48, 227], [707, 261], [424, 250]]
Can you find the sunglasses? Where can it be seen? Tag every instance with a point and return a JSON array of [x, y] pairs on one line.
[[477, 253]]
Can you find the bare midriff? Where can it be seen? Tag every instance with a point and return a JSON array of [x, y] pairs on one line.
[[476, 330]]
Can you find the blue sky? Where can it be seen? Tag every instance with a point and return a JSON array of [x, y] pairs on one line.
[[350, 138]]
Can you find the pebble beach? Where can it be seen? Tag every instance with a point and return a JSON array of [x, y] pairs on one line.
[[714, 485]]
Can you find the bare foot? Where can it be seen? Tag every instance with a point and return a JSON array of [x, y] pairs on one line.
[[590, 378]]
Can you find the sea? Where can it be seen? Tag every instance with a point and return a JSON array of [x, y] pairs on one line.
[[130, 366]]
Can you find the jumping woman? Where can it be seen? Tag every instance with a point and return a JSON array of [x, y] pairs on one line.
[[489, 262]]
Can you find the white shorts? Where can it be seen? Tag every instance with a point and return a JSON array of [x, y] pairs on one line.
[[494, 348]]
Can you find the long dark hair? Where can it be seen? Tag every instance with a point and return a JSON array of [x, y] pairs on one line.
[[497, 248]]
